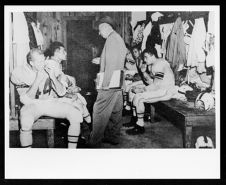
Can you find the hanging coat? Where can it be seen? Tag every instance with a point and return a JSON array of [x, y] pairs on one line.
[[176, 51], [146, 32], [210, 58], [154, 37], [196, 52]]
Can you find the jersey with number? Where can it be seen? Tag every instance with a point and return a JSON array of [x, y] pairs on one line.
[[23, 77]]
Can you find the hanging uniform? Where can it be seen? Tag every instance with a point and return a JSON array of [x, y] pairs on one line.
[[138, 34], [38, 34], [146, 32], [155, 37], [176, 52], [210, 58], [196, 54], [165, 30]]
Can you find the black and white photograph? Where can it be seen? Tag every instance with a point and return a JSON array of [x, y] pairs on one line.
[[115, 91]]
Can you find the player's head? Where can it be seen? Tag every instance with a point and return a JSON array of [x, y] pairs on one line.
[[36, 59], [136, 51], [150, 55], [57, 50]]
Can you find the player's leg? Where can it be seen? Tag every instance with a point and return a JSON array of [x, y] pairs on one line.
[[57, 109], [27, 118]]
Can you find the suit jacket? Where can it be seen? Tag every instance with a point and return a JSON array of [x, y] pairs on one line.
[[112, 57]]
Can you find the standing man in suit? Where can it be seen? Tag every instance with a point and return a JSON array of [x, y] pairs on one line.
[[107, 110]]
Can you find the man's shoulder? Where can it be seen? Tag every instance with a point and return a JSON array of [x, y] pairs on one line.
[[20, 70], [22, 74], [114, 36], [160, 64]]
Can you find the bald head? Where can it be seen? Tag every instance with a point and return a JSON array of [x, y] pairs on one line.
[[105, 29], [36, 59]]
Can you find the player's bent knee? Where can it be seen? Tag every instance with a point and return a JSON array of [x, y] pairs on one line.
[[26, 122], [74, 116]]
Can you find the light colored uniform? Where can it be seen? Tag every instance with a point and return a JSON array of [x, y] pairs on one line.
[[163, 87], [77, 100], [45, 103]]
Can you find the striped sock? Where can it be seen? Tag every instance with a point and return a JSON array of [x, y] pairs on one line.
[[125, 98], [140, 119], [72, 141], [134, 111], [26, 138]]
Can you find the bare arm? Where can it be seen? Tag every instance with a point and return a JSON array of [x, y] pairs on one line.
[[147, 77], [31, 92], [26, 91], [59, 88]]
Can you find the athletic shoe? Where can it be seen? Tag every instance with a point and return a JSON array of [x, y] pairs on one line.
[[136, 130]]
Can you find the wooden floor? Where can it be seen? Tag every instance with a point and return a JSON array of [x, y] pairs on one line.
[[161, 134]]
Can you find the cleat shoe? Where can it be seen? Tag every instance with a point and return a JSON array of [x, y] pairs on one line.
[[136, 130]]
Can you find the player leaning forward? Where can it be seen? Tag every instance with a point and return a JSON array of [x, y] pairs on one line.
[[161, 89], [40, 93]]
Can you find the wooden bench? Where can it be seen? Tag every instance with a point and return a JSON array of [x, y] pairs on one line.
[[185, 116], [43, 123]]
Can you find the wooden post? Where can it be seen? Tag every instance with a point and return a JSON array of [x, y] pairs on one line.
[[152, 116], [187, 136], [12, 64], [50, 138]]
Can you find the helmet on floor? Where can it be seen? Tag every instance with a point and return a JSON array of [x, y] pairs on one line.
[[204, 142], [205, 101]]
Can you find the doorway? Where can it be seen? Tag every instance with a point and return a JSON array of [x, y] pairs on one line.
[[83, 44], [81, 41]]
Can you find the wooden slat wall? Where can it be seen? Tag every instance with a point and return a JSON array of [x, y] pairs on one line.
[[53, 27]]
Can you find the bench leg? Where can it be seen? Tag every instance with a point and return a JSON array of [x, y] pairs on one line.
[[187, 136], [50, 138], [152, 116]]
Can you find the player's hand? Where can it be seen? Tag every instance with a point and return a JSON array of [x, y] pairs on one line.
[[50, 72], [143, 68], [129, 77], [41, 74], [138, 90], [96, 60]]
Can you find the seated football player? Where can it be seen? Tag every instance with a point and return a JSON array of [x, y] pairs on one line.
[[161, 88], [57, 54], [40, 93]]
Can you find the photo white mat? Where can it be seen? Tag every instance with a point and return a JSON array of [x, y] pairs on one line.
[[111, 163]]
